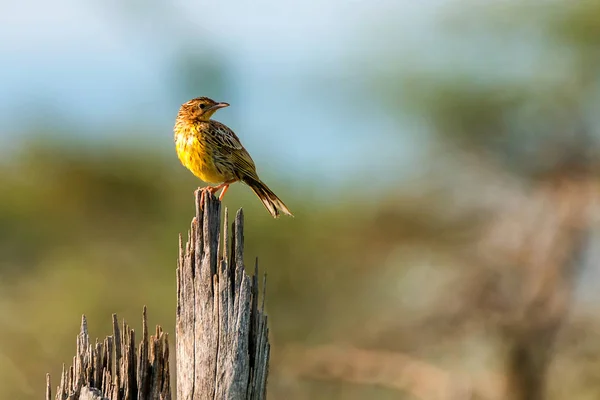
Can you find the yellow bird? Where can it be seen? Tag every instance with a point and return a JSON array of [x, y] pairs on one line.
[[214, 153]]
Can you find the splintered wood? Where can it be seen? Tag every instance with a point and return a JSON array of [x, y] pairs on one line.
[[113, 370], [222, 334]]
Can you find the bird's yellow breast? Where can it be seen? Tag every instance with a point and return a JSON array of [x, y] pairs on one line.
[[196, 154]]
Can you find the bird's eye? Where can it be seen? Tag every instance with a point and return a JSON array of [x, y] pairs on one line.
[[202, 106]]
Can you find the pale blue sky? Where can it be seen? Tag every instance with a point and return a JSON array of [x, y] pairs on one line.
[[292, 65]]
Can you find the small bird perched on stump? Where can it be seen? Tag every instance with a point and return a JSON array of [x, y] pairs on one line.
[[214, 153]]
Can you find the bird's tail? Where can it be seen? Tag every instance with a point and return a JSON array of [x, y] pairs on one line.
[[271, 202]]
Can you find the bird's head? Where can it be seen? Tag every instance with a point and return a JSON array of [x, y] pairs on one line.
[[200, 109]]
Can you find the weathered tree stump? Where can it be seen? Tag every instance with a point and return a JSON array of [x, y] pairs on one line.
[[111, 370], [222, 334]]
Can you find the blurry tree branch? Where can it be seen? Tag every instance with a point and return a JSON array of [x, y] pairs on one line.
[[387, 369], [521, 287], [549, 249]]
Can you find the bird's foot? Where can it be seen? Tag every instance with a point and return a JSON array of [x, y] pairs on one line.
[[212, 190], [203, 190]]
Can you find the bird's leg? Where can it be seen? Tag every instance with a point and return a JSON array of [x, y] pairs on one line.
[[224, 186], [223, 192]]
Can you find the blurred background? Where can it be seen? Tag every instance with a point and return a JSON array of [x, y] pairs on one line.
[[440, 158]]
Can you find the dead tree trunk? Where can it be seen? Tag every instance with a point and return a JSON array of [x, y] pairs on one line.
[[222, 335]]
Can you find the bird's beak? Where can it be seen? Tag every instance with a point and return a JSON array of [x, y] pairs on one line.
[[219, 105]]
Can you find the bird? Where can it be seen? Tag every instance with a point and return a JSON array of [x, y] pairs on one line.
[[214, 154]]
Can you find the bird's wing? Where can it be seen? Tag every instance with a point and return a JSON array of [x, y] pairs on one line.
[[233, 150]]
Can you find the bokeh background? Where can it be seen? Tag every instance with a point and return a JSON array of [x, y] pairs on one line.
[[440, 158]]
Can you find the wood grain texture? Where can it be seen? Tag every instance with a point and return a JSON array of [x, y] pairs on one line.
[[133, 375], [222, 333]]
